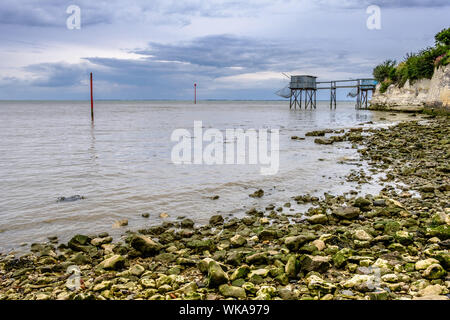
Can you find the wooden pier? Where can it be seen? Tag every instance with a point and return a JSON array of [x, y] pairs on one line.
[[307, 86]]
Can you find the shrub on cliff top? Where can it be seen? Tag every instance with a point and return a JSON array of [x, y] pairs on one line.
[[415, 66], [443, 37], [384, 70]]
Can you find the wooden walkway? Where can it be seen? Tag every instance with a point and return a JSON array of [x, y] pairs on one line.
[[363, 86]]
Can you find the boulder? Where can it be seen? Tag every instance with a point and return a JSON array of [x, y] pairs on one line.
[[145, 245], [233, 292], [434, 271], [187, 223], [296, 242], [216, 220], [79, 243], [310, 263], [347, 213], [318, 219], [291, 268], [267, 234], [115, 262], [238, 241], [362, 235], [216, 276]]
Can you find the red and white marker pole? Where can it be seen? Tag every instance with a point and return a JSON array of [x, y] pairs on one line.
[[92, 101], [195, 93]]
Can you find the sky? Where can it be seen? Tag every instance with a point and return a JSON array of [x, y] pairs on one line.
[[158, 49]]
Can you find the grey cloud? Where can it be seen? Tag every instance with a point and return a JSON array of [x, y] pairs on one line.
[[382, 3], [52, 13], [225, 51]]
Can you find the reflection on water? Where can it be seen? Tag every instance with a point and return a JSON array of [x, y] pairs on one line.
[[121, 163]]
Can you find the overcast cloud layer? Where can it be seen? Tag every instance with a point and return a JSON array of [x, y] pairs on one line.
[[233, 49]]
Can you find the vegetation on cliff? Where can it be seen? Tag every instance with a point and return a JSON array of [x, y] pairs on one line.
[[415, 66]]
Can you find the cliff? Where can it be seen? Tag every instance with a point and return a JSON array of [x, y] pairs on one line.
[[431, 93]]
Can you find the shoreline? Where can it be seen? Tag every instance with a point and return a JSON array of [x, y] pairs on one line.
[[387, 246]]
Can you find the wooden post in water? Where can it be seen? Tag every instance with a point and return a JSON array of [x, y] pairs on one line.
[[92, 101], [195, 93]]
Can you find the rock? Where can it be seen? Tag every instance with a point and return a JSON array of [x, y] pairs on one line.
[[427, 188], [317, 284], [137, 270], [434, 271], [442, 232], [379, 203], [188, 289], [362, 203], [340, 258], [362, 235], [267, 234], [319, 244], [444, 258], [79, 243], [291, 267], [104, 285], [238, 241], [257, 258], [148, 283], [216, 220], [424, 264], [360, 282], [404, 237], [163, 215], [43, 296], [231, 291], [318, 133], [310, 263], [347, 213], [120, 223], [440, 218], [240, 272], [390, 277], [145, 245], [166, 257], [295, 242], [287, 294], [216, 276], [257, 194], [379, 294], [97, 242], [318, 219], [432, 290], [146, 215], [115, 262], [187, 223], [201, 245], [70, 199], [265, 293], [80, 258], [324, 141]]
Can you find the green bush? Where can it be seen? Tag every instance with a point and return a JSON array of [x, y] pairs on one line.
[[385, 85], [415, 66], [443, 37], [384, 70]]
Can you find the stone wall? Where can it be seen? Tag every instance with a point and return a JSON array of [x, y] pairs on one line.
[[432, 93]]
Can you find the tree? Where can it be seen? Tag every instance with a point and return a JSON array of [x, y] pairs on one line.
[[384, 70], [443, 37]]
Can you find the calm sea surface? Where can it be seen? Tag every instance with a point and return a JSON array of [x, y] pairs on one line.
[[122, 164]]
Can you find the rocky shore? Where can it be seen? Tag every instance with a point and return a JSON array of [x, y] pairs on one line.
[[393, 245]]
